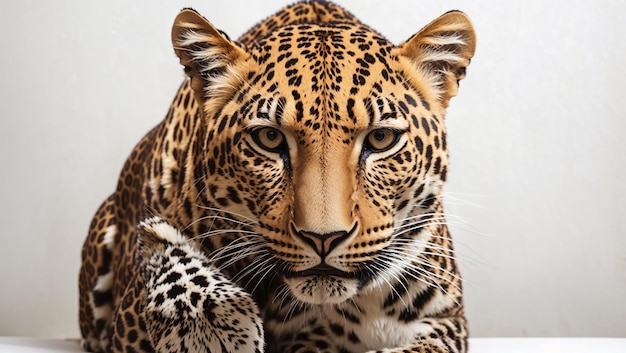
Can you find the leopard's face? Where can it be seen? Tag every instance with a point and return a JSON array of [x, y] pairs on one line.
[[332, 141]]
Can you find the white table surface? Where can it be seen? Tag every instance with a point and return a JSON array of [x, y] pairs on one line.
[[548, 345], [477, 345]]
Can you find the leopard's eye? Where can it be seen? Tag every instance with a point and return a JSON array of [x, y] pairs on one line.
[[380, 140], [268, 138]]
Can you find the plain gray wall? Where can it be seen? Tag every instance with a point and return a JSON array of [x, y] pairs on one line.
[[536, 138]]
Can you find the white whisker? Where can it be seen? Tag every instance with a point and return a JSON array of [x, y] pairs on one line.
[[219, 210], [223, 231]]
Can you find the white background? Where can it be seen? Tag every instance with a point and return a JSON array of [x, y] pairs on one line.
[[536, 138]]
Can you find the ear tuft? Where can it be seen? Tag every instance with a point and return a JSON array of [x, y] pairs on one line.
[[206, 53], [441, 51]]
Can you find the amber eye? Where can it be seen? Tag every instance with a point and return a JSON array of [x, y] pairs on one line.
[[268, 138], [380, 140]]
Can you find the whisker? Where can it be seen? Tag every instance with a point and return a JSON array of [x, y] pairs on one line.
[[221, 231], [432, 215], [404, 231], [456, 196], [430, 274], [392, 263], [242, 256], [414, 269], [260, 268], [228, 250], [419, 243], [403, 252], [393, 289], [223, 218], [252, 221], [258, 263], [281, 292]]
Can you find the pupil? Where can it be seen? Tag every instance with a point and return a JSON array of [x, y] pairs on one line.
[[380, 135], [271, 135]]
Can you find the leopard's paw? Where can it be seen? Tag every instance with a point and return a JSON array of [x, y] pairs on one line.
[[190, 305]]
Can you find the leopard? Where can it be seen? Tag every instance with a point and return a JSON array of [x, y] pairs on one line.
[[292, 198]]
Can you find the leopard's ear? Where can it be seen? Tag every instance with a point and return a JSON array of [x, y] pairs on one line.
[[206, 53], [441, 51]]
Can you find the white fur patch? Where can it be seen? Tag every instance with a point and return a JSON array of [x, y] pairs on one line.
[[109, 236], [104, 282], [163, 230], [168, 164]]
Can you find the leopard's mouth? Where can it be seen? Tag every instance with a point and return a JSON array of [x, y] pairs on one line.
[[325, 271], [320, 270], [322, 284]]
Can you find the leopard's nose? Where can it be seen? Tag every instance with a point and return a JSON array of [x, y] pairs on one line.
[[323, 244]]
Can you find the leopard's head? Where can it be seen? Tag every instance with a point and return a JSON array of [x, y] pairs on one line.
[[330, 139]]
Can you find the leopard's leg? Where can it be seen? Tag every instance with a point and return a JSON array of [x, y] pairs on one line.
[[96, 280], [440, 335], [437, 335], [314, 338], [185, 303]]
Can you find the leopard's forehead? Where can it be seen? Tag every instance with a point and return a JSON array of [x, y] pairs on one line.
[[332, 54], [341, 37], [338, 75]]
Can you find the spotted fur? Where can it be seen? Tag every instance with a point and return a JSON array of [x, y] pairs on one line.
[[291, 199]]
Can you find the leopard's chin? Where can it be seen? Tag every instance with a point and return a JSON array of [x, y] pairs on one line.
[[322, 289]]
